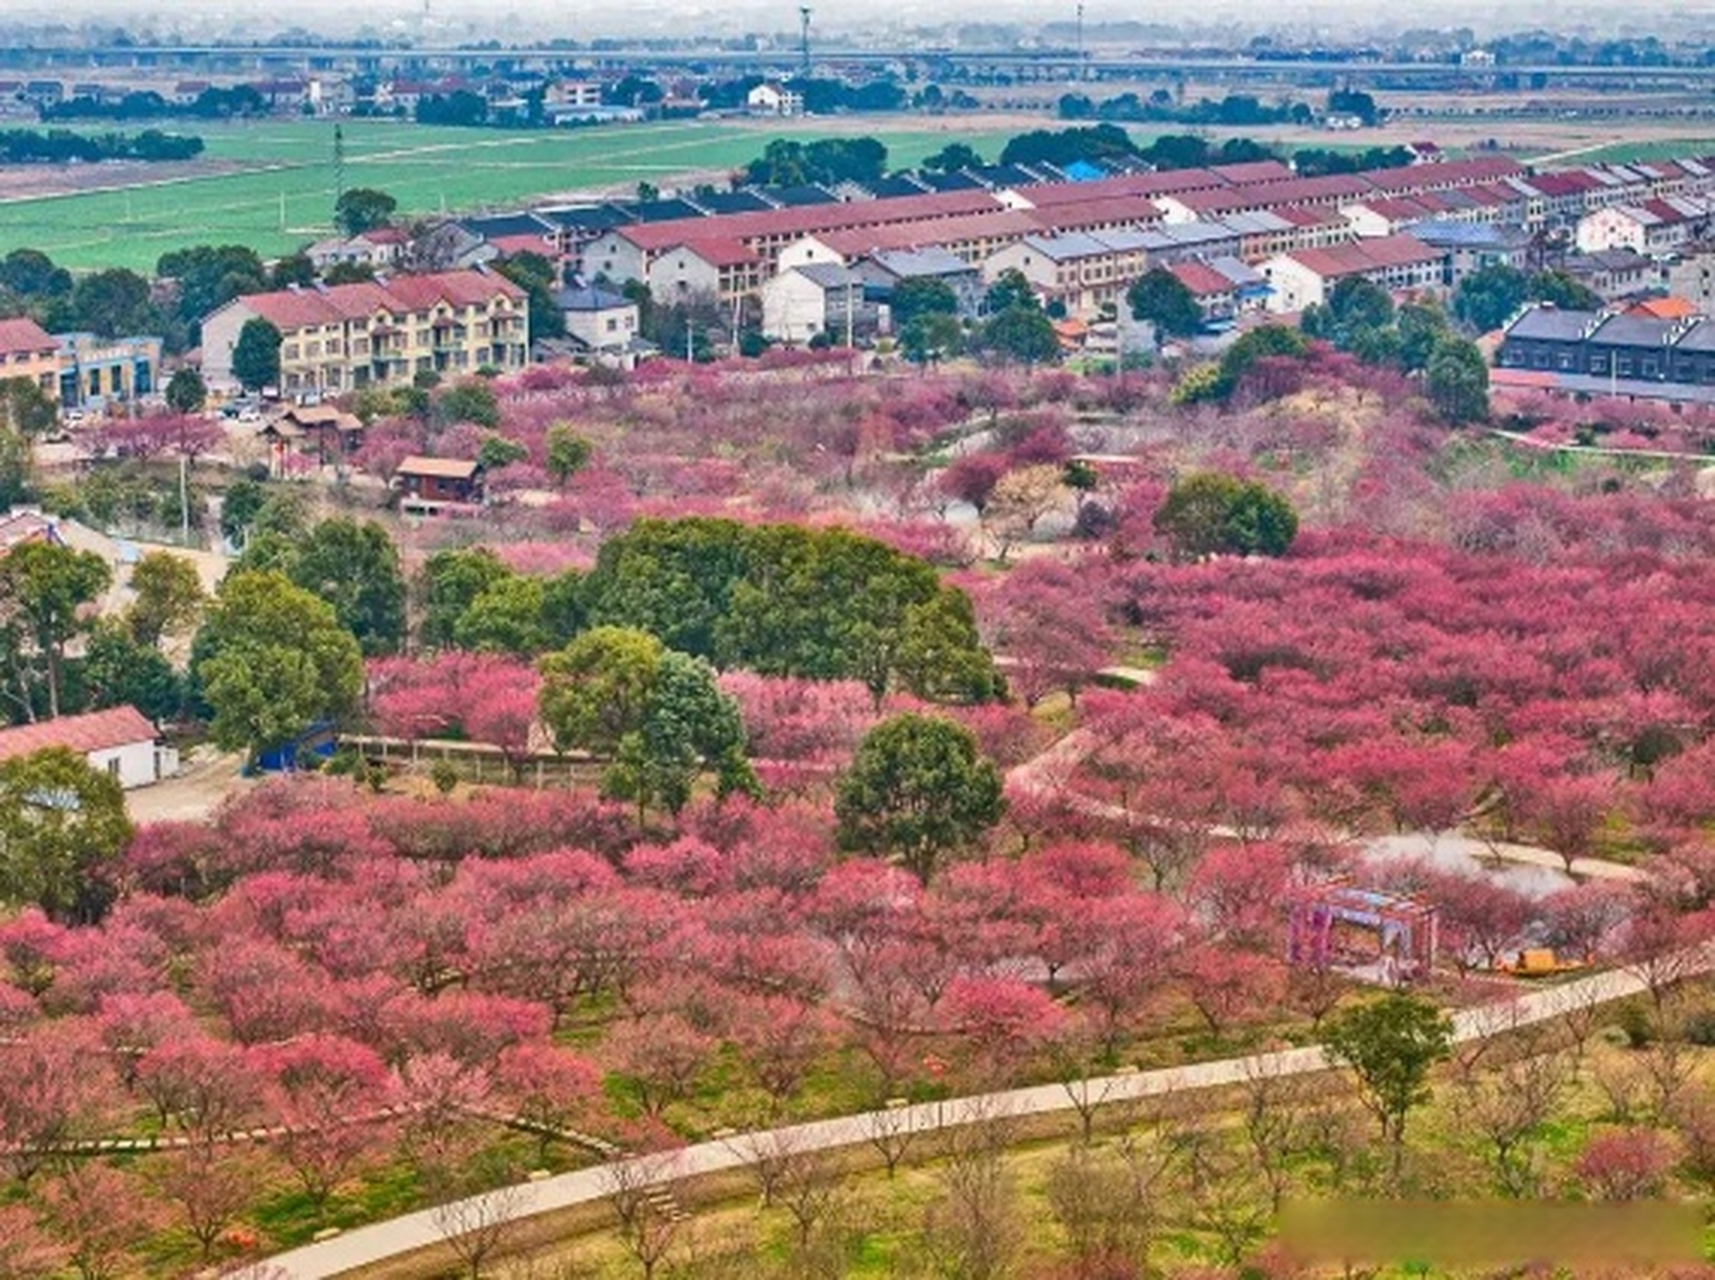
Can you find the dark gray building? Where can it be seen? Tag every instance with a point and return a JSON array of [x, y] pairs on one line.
[[1603, 344]]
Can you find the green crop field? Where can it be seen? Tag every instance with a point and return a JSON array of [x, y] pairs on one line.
[[282, 196]]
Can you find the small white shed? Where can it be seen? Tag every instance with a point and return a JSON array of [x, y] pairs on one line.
[[119, 740]]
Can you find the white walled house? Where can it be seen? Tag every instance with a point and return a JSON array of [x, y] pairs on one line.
[[774, 100], [820, 298], [1084, 271], [598, 318], [119, 741], [1396, 263], [725, 269], [1654, 227]]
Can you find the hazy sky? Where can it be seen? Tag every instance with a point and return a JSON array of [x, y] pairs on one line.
[[525, 20]]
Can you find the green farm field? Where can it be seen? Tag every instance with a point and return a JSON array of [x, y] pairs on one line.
[[274, 184]]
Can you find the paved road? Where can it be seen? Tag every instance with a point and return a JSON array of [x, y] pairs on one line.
[[368, 1245]]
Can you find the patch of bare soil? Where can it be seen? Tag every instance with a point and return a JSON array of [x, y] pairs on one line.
[[33, 181]]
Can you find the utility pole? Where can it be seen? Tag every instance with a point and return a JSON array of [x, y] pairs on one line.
[[1080, 74], [690, 351], [804, 40]]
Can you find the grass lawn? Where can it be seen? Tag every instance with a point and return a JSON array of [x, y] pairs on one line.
[[283, 196]]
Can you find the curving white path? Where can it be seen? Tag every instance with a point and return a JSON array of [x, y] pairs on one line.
[[365, 1246]]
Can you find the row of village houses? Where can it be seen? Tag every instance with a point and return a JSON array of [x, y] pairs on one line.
[[1241, 237], [1250, 236], [1082, 243]]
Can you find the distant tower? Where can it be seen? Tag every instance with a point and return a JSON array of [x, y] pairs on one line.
[[1080, 41], [804, 40]]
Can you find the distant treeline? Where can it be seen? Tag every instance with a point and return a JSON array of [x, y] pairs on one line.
[[57, 146], [210, 104]]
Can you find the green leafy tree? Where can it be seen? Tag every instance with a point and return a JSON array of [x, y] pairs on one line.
[[1023, 334], [168, 597], [1561, 290], [496, 451], [938, 656], [270, 660], [348, 273], [472, 401], [49, 585], [186, 391], [953, 157], [688, 726], [114, 303], [1012, 288], [210, 276], [1456, 380], [1391, 1044], [256, 354], [927, 338], [921, 296], [1487, 297], [596, 690], [239, 506], [568, 453], [1210, 513], [446, 586], [1264, 342], [15, 458], [118, 671], [918, 789], [293, 269], [506, 617], [1167, 302], [656, 713], [62, 825], [540, 279], [26, 409], [1420, 325], [355, 568], [361, 209], [30, 273]]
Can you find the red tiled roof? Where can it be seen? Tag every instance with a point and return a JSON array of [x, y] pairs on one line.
[[719, 252], [96, 731], [944, 231], [1147, 185], [25, 334], [1360, 256], [1203, 280], [1299, 216], [1101, 212], [1252, 171], [526, 242], [652, 237], [296, 308]]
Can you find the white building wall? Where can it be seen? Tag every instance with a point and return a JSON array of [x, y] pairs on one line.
[[134, 764], [1038, 269], [1608, 229], [679, 274], [612, 255], [612, 327], [794, 308], [219, 335], [1295, 285], [805, 252]]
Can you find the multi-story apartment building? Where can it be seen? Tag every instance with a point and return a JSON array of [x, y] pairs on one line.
[[384, 332], [28, 351]]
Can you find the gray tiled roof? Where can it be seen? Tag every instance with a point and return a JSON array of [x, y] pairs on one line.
[[1551, 324], [1634, 331]]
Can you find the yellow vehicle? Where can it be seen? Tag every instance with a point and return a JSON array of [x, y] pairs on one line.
[[1538, 962]]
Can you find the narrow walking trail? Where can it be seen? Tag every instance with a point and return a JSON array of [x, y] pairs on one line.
[[366, 1246]]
